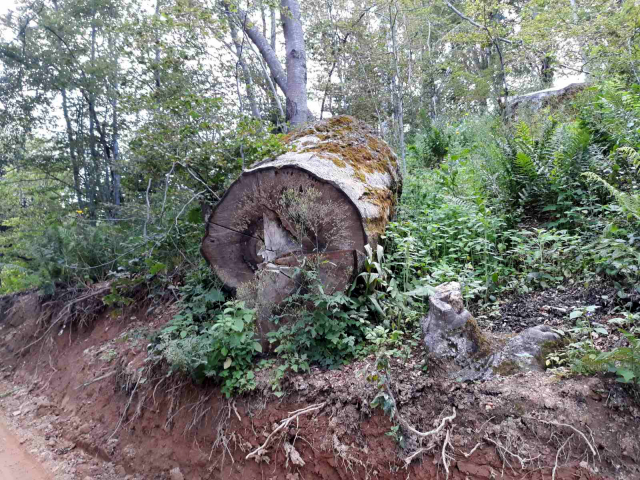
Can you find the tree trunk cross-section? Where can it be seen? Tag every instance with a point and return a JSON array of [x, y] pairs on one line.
[[315, 206]]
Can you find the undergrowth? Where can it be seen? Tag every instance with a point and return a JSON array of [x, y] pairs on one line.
[[502, 208]]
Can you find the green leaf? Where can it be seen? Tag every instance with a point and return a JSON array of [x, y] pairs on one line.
[[627, 375], [575, 314], [238, 325], [195, 215], [214, 296], [257, 347], [157, 268], [422, 291]]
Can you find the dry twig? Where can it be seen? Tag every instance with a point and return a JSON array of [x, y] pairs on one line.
[[102, 377]]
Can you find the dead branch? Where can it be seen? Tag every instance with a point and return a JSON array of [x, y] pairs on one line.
[[102, 377], [283, 424]]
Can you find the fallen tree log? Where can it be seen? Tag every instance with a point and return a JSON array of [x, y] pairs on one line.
[[315, 207], [537, 100]]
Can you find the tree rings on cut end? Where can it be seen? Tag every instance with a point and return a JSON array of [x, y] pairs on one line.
[[277, 219]]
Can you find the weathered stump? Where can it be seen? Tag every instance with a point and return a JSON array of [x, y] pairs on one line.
[[317, 206], [451, 333]]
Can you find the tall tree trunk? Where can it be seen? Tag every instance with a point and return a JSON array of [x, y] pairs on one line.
[[72, 151], [293, 83], [115, 146], [296, 62], [275, 101], [397, 88], [95, 170], [156, 71]]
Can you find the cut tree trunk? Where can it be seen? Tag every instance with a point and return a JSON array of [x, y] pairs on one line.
[[551, 96], [311, 209]]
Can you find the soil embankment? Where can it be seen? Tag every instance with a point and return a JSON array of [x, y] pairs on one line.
[[96, 404]]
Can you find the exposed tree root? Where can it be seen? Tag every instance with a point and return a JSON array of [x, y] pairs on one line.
[[467, 455], [558, 424], [283, 424], [443, 422], [64, 313], [555, 466], [501, 449]]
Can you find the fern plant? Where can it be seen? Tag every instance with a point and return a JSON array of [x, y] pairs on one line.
[[628, 201]]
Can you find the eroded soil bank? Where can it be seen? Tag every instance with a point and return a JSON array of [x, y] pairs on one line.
[[89, 403]]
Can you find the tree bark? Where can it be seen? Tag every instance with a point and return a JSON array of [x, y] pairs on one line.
[[293, 83], [398, 95], [296, 61], [115, 133], [72, 152], [264, 48]]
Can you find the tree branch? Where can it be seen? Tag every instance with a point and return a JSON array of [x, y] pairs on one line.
[[269, 55]]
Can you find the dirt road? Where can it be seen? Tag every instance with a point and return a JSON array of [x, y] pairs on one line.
[[15, 462]]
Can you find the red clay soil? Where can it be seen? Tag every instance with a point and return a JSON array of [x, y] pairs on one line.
[[110, 405], [15, 462]]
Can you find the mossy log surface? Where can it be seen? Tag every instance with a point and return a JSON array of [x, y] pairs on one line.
[[318, 205]]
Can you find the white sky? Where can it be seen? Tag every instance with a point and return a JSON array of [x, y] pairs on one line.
[[5, 5]]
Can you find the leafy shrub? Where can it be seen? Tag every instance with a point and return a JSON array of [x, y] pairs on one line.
[[433, 146], [583, 357], [222, 348], [322, 329], [611, 112]]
